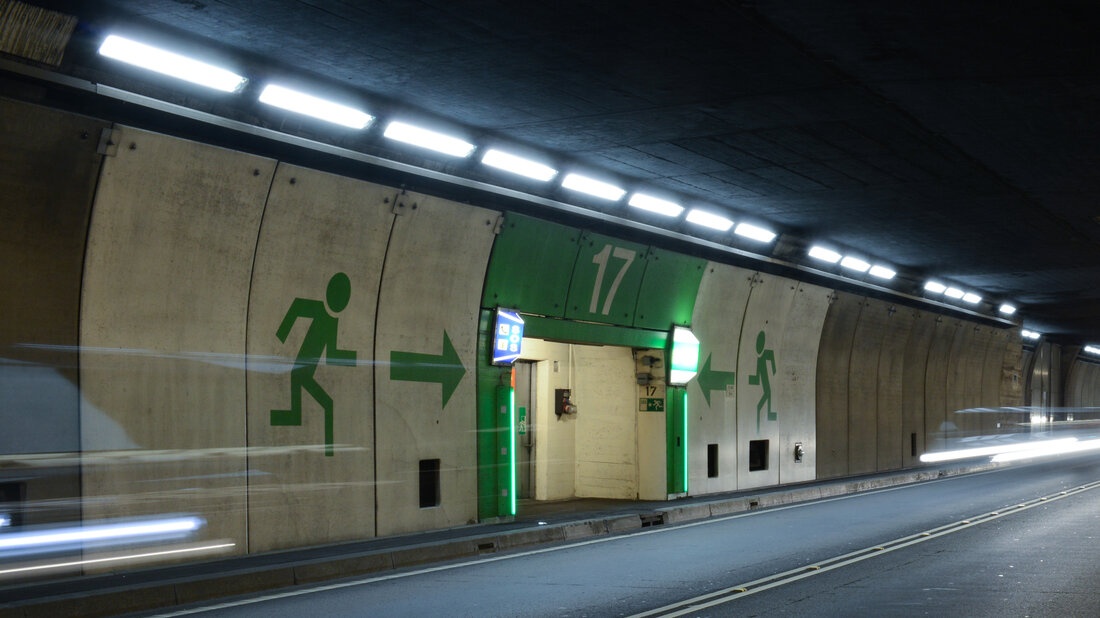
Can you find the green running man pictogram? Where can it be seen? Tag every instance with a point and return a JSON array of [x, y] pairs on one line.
[[763, 357], [320, 340]]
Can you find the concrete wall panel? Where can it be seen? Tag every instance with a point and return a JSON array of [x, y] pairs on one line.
[[761, 410], [716, 322], [913, 384], [832, 384], [48, 171], [991, 381], [163, 328], [315, 225], [606, 427], [795, 382], [892, 444], [428, 305], [936, 427], [863, 386]]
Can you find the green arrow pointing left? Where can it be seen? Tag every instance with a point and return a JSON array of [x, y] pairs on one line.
[[446, 369], [714, 380]]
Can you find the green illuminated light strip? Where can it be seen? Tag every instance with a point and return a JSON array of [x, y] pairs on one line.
[[685, 440], [512, 445]]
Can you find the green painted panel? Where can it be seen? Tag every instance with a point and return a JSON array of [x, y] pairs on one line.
[[586, 332], [668, 290], [606, 280], [676, 428], [530, 266]]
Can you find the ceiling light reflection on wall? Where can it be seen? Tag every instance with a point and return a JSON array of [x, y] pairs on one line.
[[971, 298], [652, 204], [168, 63], [584, 184], [1007, 309], [756, 233], [856, 264], [825, 255], [431, 140], [518, 165], [882, 272], [709, 219], [954, 293], [935, 287], [309, 105]]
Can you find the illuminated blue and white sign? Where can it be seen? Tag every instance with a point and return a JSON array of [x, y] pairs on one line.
[[507, 337]]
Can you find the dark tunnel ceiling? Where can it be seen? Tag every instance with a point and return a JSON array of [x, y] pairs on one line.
[[955, 139]]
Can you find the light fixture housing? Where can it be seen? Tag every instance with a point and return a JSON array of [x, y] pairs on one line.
[[518, 165], [825, 255], [431, 140], [854, 263], [709, 219], [935, 287], [954, 293], [1007, 309], [883, 272], [171, 64], [971, 298], [593, 187], [685, 356], [657, 205], [754, 232], [309, 105]]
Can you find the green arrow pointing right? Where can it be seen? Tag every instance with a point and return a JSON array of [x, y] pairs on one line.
[[446, 368], [714, 380]]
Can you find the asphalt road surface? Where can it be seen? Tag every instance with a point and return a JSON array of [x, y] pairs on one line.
[[1020, 541]]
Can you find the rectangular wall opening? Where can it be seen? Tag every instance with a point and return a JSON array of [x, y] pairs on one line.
[[429, 483], [758, 455], [913, 444], [712, 461], [12, 498]]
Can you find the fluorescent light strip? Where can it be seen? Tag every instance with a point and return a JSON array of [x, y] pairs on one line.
[[935, 287], [971, 298], [431, 140], [756, 233], [954, 293], [854, 263], [309, 105], [825, 255], [584, 184], [1030, 334], [1007, 309], [518, 165], [1091, 349], [708, 219], [882, 272], [168, 63], [659, 206]]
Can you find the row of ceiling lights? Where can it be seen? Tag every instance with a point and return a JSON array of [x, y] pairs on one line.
[[204, 74]]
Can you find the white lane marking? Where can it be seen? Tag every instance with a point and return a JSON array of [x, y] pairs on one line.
[[447, 567], [732, 593]]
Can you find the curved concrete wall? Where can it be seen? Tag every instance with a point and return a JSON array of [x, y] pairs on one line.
[[216, 356]]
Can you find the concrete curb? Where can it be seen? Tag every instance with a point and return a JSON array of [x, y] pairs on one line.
[[166, 594]]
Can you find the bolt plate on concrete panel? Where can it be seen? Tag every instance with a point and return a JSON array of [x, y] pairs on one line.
[[108, 142]]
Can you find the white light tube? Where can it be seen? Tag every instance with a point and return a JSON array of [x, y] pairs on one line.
[[1091, 349], [659, 206], [1007, 309], [954, 293], [971, 298], [1030, 334], [825, 255], [518, 165], [309, 105], [935, 287], [428, 139], [709, 219], [853, 263], [756, 233], [584, 184], [882, 272], [168, 63]]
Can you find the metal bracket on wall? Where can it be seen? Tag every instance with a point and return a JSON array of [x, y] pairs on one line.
[[108, 141]]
